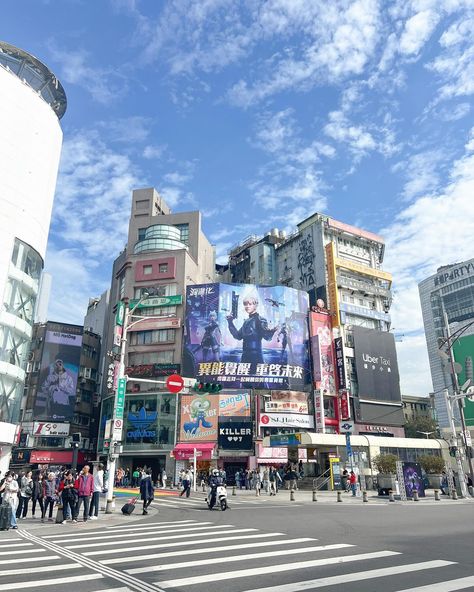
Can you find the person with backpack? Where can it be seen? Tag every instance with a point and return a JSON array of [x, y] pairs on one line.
[[68, 492], [147, 492], [26, 491]]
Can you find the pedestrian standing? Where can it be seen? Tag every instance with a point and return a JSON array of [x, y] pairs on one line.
[[147, 492], [26, 491], [85, 487], [49, 496], [98, 489], [266, 482], [37, 495], [257, 482], [353, 482], [345, 480], [68, 492], [10, 491], [164, 478], [272, 479]]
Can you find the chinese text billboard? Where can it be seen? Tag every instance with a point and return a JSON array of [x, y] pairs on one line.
[[247, 336], [56, 394], [234, 405], [463, 351], [322, 351]]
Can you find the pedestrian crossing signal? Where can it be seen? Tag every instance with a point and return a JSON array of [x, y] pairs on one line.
[[207, 387], [452, 451]]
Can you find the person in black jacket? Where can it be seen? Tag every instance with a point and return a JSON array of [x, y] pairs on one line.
[[37, 496], [69, 495], [147, 493]]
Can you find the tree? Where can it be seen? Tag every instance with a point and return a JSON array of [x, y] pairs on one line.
[[421, 424]]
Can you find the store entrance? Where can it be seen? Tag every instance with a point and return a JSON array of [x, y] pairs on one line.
[[155, 463], [231, 468]]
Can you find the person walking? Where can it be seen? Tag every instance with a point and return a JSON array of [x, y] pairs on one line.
[[98, 489], [164, 478], [186, 483], [353, 483], [37, 495], [49, 496], [26, 491], [135, 477], [10, 490], [68, 492], [272, 479], [85, 487], [147, 493], [345, 480]]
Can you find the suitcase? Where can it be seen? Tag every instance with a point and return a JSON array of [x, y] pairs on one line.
[[60, 515], [128, 508], [5, 516]]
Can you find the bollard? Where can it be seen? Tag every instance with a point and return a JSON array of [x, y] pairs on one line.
[[257, 491], [470, 488], [454, 495], [233, 490], [339, 496], [292, 495], [315, 498], [436, 492], [365, 497], [391, 498], [415, 496]]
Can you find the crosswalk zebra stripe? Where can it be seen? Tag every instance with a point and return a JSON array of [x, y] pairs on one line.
[[16, 572], [51, 582], [354, 577], [205, 531], [448, 586], [21, 551], [246, 537], [136, 526], [258, 571], [234, 558], [14, 544], [201, 551], [128, 528], [28, 559], [157, 529]]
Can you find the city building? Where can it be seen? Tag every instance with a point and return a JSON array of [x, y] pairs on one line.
[[165, 251], [450, 292], [61, 397], [418, 407], [31, 105]]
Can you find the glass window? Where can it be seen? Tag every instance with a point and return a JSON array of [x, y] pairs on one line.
[[156, 357], [147, 269], [151, 337], [163, 268]]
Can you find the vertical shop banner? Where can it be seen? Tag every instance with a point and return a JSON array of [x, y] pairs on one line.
[[245, 336], [463, 351], [323, 352], [234, 405], [344, 405], [199, 418], [319, 411], [56, 394], [340, 365]]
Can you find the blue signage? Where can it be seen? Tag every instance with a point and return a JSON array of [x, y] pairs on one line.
[[140, 422], [285, 440], [348, 444]]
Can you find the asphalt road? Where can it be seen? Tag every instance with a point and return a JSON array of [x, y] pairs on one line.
[[257, 545]]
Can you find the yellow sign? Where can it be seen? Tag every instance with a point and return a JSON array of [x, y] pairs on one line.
[[334, 469], [332, 285], [363, 269]]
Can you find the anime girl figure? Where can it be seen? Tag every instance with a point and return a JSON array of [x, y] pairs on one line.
[[211, 340]]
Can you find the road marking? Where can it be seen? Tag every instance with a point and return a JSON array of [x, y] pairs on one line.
[[202, 551], [27, 559], [354, 577], [127, 528], [138, 526], [22, 551], [259, 571], [204, 532], [51, 582], [248, 556], [459, 584], [180, 544], [16, 572], [12, 543]]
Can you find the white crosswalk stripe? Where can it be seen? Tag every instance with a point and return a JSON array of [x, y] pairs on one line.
[[52, 582], [451, 586], [21, 552]]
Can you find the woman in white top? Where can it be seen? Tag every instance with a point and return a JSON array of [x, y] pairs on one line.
[[10, 495]]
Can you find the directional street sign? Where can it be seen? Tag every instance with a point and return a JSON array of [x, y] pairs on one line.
[[120, 399], [346, 427], [348, 444]]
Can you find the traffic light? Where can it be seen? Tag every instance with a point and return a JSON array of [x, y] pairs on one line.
[[207, 387], [452, 451]]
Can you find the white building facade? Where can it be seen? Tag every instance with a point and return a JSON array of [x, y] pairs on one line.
[[31, 105]]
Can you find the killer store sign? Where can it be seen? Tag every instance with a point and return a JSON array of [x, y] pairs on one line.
[[235, 435]]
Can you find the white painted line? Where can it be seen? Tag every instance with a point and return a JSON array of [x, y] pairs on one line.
[[16, 572], [51, 582], [128, 528], [28, 559], [12, 543], [206, 551], [449, 586], [203, 531], [22, 552], [114, 590], [184, 543], [233, 558], [354, 577], [259, 571]]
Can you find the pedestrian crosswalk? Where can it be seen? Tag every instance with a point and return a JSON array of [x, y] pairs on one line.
[[197, 502]]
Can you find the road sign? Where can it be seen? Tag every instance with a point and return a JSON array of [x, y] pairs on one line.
[[467, 437], [119, 315], [348, 444], [346, 427], [118, 427], [120, 398], [174, 383]]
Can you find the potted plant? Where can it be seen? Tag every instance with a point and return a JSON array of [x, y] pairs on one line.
[[386, 465], [433, 467]]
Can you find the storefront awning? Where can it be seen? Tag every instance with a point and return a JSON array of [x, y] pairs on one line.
[[185, 451]]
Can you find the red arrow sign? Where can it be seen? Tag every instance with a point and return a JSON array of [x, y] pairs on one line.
[[174, 383]]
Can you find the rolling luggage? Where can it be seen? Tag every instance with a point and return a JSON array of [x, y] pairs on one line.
[[128, 508], [60, 515], [5, 516]]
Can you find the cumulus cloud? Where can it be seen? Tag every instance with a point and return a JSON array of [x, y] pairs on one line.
[[417, 31]]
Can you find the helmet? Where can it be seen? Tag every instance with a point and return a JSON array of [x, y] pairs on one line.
[[215, 472]]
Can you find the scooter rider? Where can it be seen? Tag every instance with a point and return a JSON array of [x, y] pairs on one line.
[[214, 481]]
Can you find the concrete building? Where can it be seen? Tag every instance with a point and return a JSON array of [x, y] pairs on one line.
[[450, 290], [417, 407], [32, 103], [167, 251]]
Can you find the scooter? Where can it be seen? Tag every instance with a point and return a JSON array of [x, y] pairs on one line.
[[219, 498]]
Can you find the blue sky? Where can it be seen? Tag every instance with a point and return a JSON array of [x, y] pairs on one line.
[[259, 113]]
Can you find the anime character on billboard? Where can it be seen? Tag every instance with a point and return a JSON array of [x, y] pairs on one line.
[[198, 411], [252, 331], [413, 479], [58, 389], [211, 340]]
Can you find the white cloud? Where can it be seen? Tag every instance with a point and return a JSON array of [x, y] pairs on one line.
[[152, 152], [422, 172], [417, 31], [127, 129], [176, 178]]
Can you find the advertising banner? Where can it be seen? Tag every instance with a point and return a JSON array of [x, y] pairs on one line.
[[56, 394], [199, 418], [245, 336], [463, 351], [270, 420], [322, 352], [319, 411], [340, 366], [234, 405], [50, 429], [234, 434], [287, 402], [413, 479], [376, 365]]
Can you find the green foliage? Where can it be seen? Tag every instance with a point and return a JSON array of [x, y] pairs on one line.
[[421, 424], [386, 463], [433, 465]]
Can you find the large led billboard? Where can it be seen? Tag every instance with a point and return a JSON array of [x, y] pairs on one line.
[[376, 365], [463, 351], [245, 336], [56, 394], [322, 352]]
